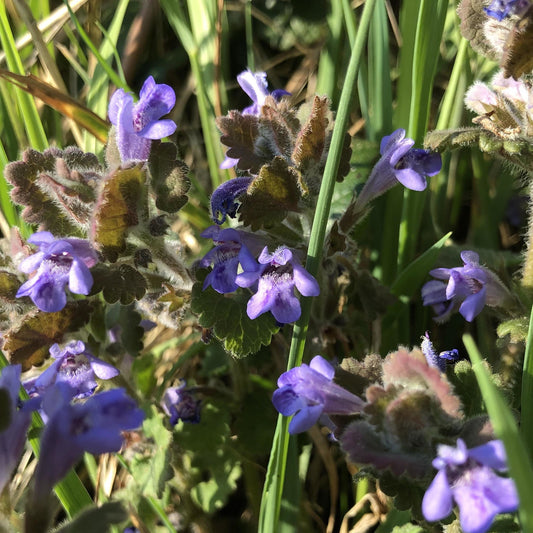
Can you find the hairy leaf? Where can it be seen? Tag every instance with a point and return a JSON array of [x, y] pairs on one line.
[[226, 315], [96, 519], [56, 187], [271, 194], [117, 209], [27, 343], [169, 179], [278, 127], [118, 282], [239, 133]]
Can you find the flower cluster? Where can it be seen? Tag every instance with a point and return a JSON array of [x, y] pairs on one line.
[[309, 393], [472, 479], [465, 289], [273, 277], [94, 426], [136, 125], [399, 163], [73, 365], [57, 263]]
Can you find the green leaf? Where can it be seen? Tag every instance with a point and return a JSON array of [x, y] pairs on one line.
[[226, 315], [209, 446], [276, 190], [27, 343], [151, 467], [118, 208], [506, 429], [96, 519], [118, 282], [169, 179], [409, 280]]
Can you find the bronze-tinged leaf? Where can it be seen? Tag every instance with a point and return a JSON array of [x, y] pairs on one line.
[[27, 343], [311, 140], [65, 104], [278, 128], [517, 58], [120, 201], [271, 194], [56, 187], [169, 179], [239, 133], [118, 282]]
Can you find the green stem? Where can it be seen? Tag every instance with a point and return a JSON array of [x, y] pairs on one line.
[[273, 489]]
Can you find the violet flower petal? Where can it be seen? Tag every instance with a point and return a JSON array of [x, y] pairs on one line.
[[438, 500]]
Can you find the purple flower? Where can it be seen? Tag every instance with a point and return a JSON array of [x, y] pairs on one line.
[[225, 258], [58, 262], [308, 392], [434, 359], [500, 9], [181, 404], [72, 429], [277, 276], [12, 438], [223, 199], [399, 162], [255, 85], [467, 289], [75, 366], [470, 479], [137, 124]]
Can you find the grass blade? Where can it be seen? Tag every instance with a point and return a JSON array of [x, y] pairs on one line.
[[505, 429], [273, 489]]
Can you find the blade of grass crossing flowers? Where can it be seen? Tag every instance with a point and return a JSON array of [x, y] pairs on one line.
[[526, 401], [184, 30], [97, 95], [329, 63], [394, 201], [505, 428], [32, 121], [379, 75], [70, 490], [430, 26], [273, 489]]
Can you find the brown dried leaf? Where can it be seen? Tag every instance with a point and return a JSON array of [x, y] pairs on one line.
[[27, 343]]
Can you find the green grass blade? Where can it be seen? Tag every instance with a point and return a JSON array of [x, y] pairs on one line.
[[431, 18], [411, 278], [97, 95], [505, 429], [6, 205], [526, 402], [273, 489], [32, 122]]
